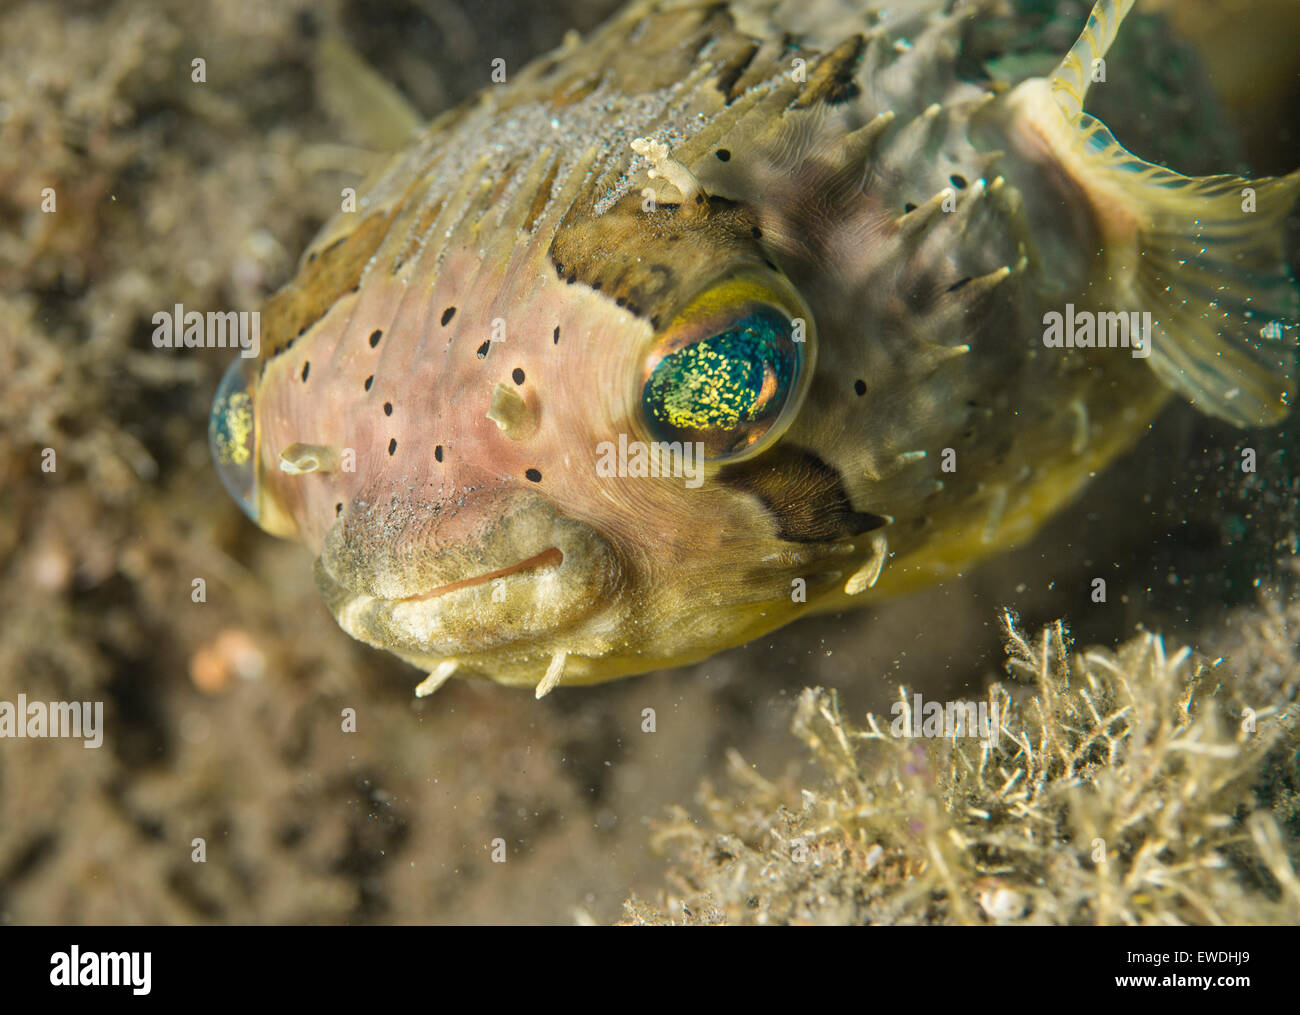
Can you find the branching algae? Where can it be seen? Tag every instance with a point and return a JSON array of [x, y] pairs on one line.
[[1140, 786]]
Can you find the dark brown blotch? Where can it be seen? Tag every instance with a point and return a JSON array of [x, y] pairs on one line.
[[804, 495], [832, 80], [331, 273], [643, 259], [732, 65]]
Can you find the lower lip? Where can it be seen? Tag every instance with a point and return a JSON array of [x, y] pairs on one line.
[[551, 557]]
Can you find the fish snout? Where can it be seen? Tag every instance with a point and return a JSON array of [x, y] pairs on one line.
[[464, 574]]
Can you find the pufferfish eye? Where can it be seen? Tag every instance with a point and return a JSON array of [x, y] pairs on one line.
[[232, 435], [731, 370]]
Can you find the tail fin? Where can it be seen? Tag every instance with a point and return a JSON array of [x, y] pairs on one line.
[[1210, 260]]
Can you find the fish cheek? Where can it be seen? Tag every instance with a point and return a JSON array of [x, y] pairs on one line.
[[804, 496]]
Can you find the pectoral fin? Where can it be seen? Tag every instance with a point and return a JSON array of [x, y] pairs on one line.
[[1207, 255]]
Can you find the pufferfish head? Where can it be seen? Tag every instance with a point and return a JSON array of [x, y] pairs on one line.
[[539, 441]]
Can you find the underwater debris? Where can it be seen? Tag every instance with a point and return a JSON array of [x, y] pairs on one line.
[[1138, 786]]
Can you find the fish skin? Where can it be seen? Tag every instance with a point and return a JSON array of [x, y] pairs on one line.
[[525, 210]]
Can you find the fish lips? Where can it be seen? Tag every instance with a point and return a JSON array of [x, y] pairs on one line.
[[525, 589]]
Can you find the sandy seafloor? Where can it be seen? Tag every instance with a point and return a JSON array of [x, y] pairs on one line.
[[171, 193]]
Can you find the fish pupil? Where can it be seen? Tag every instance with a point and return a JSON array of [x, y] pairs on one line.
[[726, 389]]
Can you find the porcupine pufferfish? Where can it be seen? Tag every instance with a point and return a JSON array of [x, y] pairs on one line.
[[684, 318]]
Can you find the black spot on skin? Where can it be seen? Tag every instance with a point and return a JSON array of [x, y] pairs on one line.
[[533, 476], [301, 331], [654, 323], [369, 381], [392, 446], [909, 207], [555, 339], [437, 453], [571, 279], [338, 510], [447, 315], [620, 302], [860, 386], [559, 270], [483, 349], [958, 181], [804, 495], [388, 408], [517, 375], [306, 369], [723, 155], [375, 336], [595, 287]]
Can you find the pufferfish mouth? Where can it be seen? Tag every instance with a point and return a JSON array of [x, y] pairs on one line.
[[552, 556], [432, 603]]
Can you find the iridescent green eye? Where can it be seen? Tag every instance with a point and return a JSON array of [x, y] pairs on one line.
[[232, 435], [729, 372], [725, 390]]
